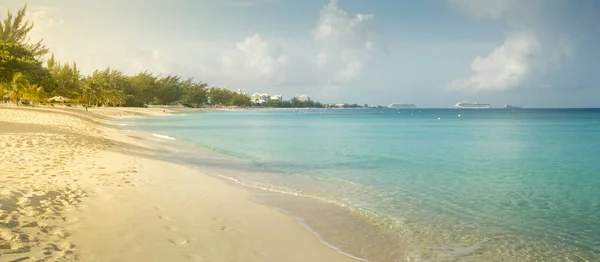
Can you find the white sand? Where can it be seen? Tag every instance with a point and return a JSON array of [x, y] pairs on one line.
[[74, 189]]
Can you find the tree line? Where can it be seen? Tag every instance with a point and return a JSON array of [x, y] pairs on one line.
[[293, 103], [30, 73]]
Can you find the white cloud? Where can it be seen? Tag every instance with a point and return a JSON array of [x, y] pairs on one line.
[[505, 67], [340, 49], [45, 21], [344, 43], [254, 59], [260, 56], [542, 36], [42, 17], [137, 60]]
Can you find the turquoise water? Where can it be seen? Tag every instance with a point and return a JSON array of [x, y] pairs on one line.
[[505, 183]]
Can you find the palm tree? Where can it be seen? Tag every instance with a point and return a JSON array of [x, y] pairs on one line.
[[34, 93], [14, 29], [17, 85], [117, 97], [90, 93], [3, 91], [121, 98]]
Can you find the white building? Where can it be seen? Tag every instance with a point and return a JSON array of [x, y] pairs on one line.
[[276, 98], [260, 98], [240, 91], [302, 97]]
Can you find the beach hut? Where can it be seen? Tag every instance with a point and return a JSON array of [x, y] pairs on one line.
[[58, 99]]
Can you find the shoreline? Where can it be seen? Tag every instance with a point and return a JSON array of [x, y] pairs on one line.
[[425, 241], [313, 213], [119, 197], [354, 232]]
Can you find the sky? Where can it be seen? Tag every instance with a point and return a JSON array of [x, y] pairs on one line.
[[431, 53]]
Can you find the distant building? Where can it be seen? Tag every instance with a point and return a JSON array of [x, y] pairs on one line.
[[276, 98], [260, 98], [254, 97], [240, 91], [302, 97]]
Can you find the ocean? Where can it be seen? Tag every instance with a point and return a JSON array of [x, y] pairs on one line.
[[445, 184]]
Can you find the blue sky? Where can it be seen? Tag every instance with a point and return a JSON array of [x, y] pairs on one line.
[[433, 53]]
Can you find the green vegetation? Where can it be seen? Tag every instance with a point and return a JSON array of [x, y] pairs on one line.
[[353, 106], [29, 73], [14, 29], [294, 103], [222, 96]]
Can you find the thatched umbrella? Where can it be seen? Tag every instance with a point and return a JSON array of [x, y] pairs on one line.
[[58, 99]]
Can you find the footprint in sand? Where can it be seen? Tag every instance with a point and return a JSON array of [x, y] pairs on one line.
[[159, 208], [196, 257], [51, 247], [180, 241], [167, 218], [172, 228]]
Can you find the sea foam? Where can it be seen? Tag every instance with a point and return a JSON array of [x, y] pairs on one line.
[[164, 137]]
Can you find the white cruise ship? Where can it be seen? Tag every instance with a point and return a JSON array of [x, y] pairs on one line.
[[511, 107], [472, 105]]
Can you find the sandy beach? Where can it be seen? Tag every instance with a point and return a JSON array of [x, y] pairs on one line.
[[74, 188]]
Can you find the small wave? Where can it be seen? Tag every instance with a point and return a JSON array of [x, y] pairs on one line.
[[256, 186], [298, 219], [122, 124], [164, 137], [310, 229]]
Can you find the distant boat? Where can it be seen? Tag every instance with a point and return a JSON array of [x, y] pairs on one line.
[[402, 106], [472, 105], [511, 107]]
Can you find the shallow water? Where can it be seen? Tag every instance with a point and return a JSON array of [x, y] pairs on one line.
[[493, 185]]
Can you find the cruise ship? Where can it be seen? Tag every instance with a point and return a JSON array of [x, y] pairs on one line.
[[472, 105], [511, 107], [402, 106]]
